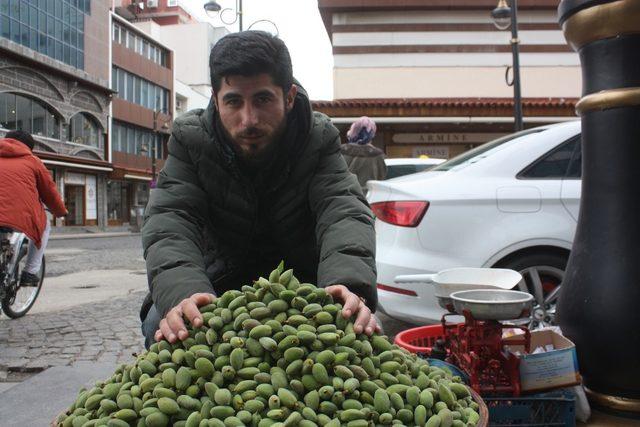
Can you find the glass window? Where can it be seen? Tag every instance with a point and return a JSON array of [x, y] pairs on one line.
[[53, 126], [129, 95], [24, 35], [483, 150], [80, 21], [24, 12], [554, 164], [5, 27], [58, 29], [15, 31], [66, 34], [145, 48], [39, 126], [137, 91], [575, 168], [33, 17], [114, 78], [66, 13], [84, 129], [58, 7], [4, 7], [121, 84], [23, 113], [33, 39], [67, 54], [145, 93], [7, 110], [42, 22], [131, 141]]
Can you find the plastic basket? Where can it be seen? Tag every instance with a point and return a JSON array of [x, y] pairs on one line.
[[549, 409], [421, 339]]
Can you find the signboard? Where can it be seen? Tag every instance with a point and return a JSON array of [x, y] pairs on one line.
[[74, 178], [437, 152], [444, 138]]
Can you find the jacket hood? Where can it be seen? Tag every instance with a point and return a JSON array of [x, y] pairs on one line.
[[10, 147]]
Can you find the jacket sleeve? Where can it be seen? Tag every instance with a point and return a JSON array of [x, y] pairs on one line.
[[344, 227], [47, 191], [172, 235]]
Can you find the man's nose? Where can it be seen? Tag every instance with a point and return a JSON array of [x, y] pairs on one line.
[[249, 116]]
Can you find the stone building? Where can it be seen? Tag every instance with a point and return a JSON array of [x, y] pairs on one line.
[[432, 74], [54, 83]]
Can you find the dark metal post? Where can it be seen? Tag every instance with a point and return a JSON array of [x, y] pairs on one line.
[[515, 50], [153, 148], [240, 14], [599, 305]]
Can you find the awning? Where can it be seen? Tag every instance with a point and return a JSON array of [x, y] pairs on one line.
[[461, 119], [137, 177], [77, 165]]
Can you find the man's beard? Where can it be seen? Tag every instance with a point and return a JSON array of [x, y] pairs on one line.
[[257, 159]]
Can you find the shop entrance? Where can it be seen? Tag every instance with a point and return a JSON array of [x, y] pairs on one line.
[[74, 199]]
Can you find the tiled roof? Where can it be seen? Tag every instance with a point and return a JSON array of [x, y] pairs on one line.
[[447, 106]]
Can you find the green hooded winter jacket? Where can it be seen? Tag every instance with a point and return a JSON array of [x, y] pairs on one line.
[[210, 226]]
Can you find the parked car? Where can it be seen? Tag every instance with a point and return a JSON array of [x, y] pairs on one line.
[[510, 203], [406, 166]]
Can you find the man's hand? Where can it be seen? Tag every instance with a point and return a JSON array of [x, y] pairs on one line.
[[352, 304], [172, 326]]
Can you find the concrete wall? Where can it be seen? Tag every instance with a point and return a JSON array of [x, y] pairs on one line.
[[443, 82]]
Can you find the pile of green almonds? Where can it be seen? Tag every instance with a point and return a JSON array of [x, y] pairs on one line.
[[278, 353]]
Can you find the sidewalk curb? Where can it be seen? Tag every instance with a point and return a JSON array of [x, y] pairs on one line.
[[63, 236]]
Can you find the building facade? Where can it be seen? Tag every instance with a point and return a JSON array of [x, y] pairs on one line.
[[432, 74], [142, 112], [54, 83]]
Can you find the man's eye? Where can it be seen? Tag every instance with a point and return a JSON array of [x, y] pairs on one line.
[[264, 99], [232, 102]]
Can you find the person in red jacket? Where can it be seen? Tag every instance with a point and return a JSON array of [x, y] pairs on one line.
[[25, 184]]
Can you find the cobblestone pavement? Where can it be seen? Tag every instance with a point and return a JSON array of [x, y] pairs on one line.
[[102, 332]]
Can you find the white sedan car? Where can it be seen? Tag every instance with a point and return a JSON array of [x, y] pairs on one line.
[[510, 203]]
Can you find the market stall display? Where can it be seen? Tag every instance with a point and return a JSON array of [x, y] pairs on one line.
[[277, 353]]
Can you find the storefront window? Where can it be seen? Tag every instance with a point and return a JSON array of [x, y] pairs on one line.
[[20, 112], [83, 129]]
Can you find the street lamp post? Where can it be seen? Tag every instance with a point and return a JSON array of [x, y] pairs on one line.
[[153, 149], [503, 17], [212, 7]]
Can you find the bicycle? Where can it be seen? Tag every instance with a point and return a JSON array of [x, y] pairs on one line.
[[16, 300]]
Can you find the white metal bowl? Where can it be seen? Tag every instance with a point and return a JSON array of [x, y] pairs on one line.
[[493, 304]]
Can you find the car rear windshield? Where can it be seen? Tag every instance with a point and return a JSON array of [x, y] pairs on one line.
[[482, 151], [394, 171]]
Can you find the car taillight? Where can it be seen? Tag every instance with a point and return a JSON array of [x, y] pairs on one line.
[[403, 214]]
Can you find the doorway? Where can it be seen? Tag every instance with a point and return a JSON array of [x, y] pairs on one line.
[[74, 199]]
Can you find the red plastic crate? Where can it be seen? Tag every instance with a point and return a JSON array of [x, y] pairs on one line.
[[421, 339]]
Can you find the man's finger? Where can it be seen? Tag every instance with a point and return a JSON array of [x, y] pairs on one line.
[[362, 320], [371, 326], [166, 331], [350, 305], [190, 310], [174, 319], [202, 298]]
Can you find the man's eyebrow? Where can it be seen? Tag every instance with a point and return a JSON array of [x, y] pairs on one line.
[[264, 92], [230, 95]]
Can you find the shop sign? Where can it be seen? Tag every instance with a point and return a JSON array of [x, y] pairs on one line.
[[444, 138], [72, 178], [433, 151]]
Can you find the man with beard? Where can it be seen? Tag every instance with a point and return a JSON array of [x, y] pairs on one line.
[[255, 178]]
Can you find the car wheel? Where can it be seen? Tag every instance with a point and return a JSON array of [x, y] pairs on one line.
[[542, 276]]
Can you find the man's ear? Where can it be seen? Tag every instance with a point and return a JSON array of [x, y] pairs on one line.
[[291, 97], [214, 99]]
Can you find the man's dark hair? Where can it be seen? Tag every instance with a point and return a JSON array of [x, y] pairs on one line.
[[249, 53], [23, 137]]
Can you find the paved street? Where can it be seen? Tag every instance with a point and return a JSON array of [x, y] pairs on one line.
[[87, 309]]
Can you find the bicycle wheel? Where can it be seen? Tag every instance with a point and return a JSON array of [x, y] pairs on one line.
[[19, 299]]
